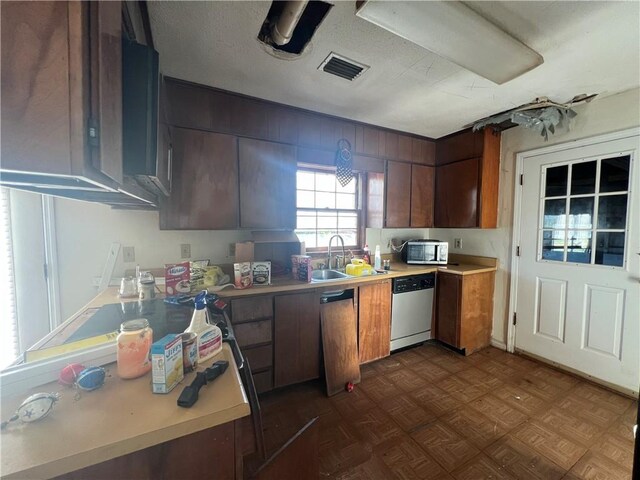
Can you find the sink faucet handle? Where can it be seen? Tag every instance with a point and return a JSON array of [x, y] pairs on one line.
[[321, 266]]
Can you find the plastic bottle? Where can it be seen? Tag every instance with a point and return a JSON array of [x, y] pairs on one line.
[[366, 256], [377, 262], [209, 339]]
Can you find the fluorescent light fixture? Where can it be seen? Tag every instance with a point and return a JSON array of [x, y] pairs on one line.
[[453, 31]]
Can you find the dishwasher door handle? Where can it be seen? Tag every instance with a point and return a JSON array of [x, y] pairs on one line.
[[324, 298]]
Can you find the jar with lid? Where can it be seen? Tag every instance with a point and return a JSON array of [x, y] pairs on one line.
[[134, 345]]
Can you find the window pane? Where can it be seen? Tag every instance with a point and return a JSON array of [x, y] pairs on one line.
[[554, 213], [583, 178], [324, 236], [347, 220], [581, 212], [610, 248], [325, 200], [553, 245], [556, 181], [612, 211], [305, 199], [348, 188], [614, 174], [346, 201], [579, 246], [306, 220], [327, 220], [326, 182], [307, 236], [350, 237], [305, 180]]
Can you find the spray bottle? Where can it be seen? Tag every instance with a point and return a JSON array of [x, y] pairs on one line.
[[209, 336]]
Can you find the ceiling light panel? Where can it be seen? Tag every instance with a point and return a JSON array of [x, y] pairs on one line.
[[453, 31]]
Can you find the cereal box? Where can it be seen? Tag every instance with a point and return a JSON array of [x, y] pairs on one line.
[[301, 267], [261, 272], [242, 273], [177, 278], [166, 361]]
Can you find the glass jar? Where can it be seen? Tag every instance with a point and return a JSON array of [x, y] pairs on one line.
[[134, 345]]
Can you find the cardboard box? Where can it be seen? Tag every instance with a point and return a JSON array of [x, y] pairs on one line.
[[177, 278], [167, 369], [261, 272], [301, 267], [242, 275]]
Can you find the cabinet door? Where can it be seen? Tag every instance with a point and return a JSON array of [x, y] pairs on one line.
[[205, 182], [267, 184], [448, 293], [297, 338], [456, 202], [374, 321], [422, 186], [398, 198]]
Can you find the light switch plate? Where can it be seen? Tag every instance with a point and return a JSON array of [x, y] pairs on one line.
[[185, 250], [128, 254]]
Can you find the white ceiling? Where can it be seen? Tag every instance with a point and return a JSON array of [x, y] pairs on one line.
[[588, 47]]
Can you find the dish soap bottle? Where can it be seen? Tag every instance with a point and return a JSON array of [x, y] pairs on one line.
[[209, 338], [366, 256], [377, 262]]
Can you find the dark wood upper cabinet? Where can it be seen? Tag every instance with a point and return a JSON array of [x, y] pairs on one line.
[[204, 180], [296, 338], [422, 196], [467, 177], [375, 200], [267, 173], [398, 195], [374, 321]]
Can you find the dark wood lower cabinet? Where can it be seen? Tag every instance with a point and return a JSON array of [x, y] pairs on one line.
[[374, 321], [464, 310], [296, 338]]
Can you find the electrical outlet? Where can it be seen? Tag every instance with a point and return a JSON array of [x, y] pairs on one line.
[[128, 254], [185, 250], [457, 243]]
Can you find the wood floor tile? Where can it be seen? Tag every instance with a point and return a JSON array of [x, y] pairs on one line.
[[348, 404], [538, 387], [498, 411], [445, 445], [522, 461], [603, 398], [631, 414], [500, 370], [408, 461], [484, 380], [622, 429], [375, 426], [406, 379], [549, 443], [387, 364], [520, 362], [615, 448], [519, 398], [340, 448], [431, 350], [378, 388], [368, 371], [451, 362], [481, 467], [564, 381], [597, 467], [587, 410], [372, 469], [570, 426], [430, 371], [436, 400], [460, 389], [475, 427], [408, 357], [405, 411]]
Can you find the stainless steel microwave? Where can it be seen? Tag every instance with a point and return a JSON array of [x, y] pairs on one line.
[[425, 252]]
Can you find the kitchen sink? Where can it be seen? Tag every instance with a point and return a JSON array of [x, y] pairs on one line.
[[327, 275]]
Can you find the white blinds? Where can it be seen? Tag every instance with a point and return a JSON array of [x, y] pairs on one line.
[[9, 344]]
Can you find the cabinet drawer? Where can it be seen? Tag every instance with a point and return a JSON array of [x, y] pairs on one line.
[[253, 333], [259, 357], [250, 309], [263, 381]]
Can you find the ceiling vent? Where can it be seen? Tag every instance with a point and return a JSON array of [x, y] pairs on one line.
[[342, 67]]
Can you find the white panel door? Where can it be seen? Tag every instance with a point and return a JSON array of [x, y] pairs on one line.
[[578, 290]]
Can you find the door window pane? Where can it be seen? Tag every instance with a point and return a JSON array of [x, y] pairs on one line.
[[553, 245], [581, 212], [556, 181], [610, 248], [583, 178], [579, 246], [614, 174], [612, 212], [554, 213]]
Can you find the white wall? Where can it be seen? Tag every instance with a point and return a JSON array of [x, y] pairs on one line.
[[608, 114]]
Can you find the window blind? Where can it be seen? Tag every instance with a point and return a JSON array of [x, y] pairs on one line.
[[9, 341]]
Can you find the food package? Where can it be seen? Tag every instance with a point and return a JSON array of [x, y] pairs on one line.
[[177, 278], [242, 275], [301, 267], [167, 364], [261, 272], [204, 276]]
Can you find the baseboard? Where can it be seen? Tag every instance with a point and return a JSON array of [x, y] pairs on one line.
[[498, 344]]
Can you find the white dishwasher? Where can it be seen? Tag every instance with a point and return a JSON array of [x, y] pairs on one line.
[[411, 309]]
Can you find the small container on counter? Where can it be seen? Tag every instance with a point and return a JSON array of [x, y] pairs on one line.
[[189, 351], [166, 357], [133, 348]]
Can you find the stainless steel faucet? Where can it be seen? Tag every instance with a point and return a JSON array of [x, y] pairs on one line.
[[343, 256]]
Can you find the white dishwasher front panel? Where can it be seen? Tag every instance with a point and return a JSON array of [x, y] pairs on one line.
[[411, 314]]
